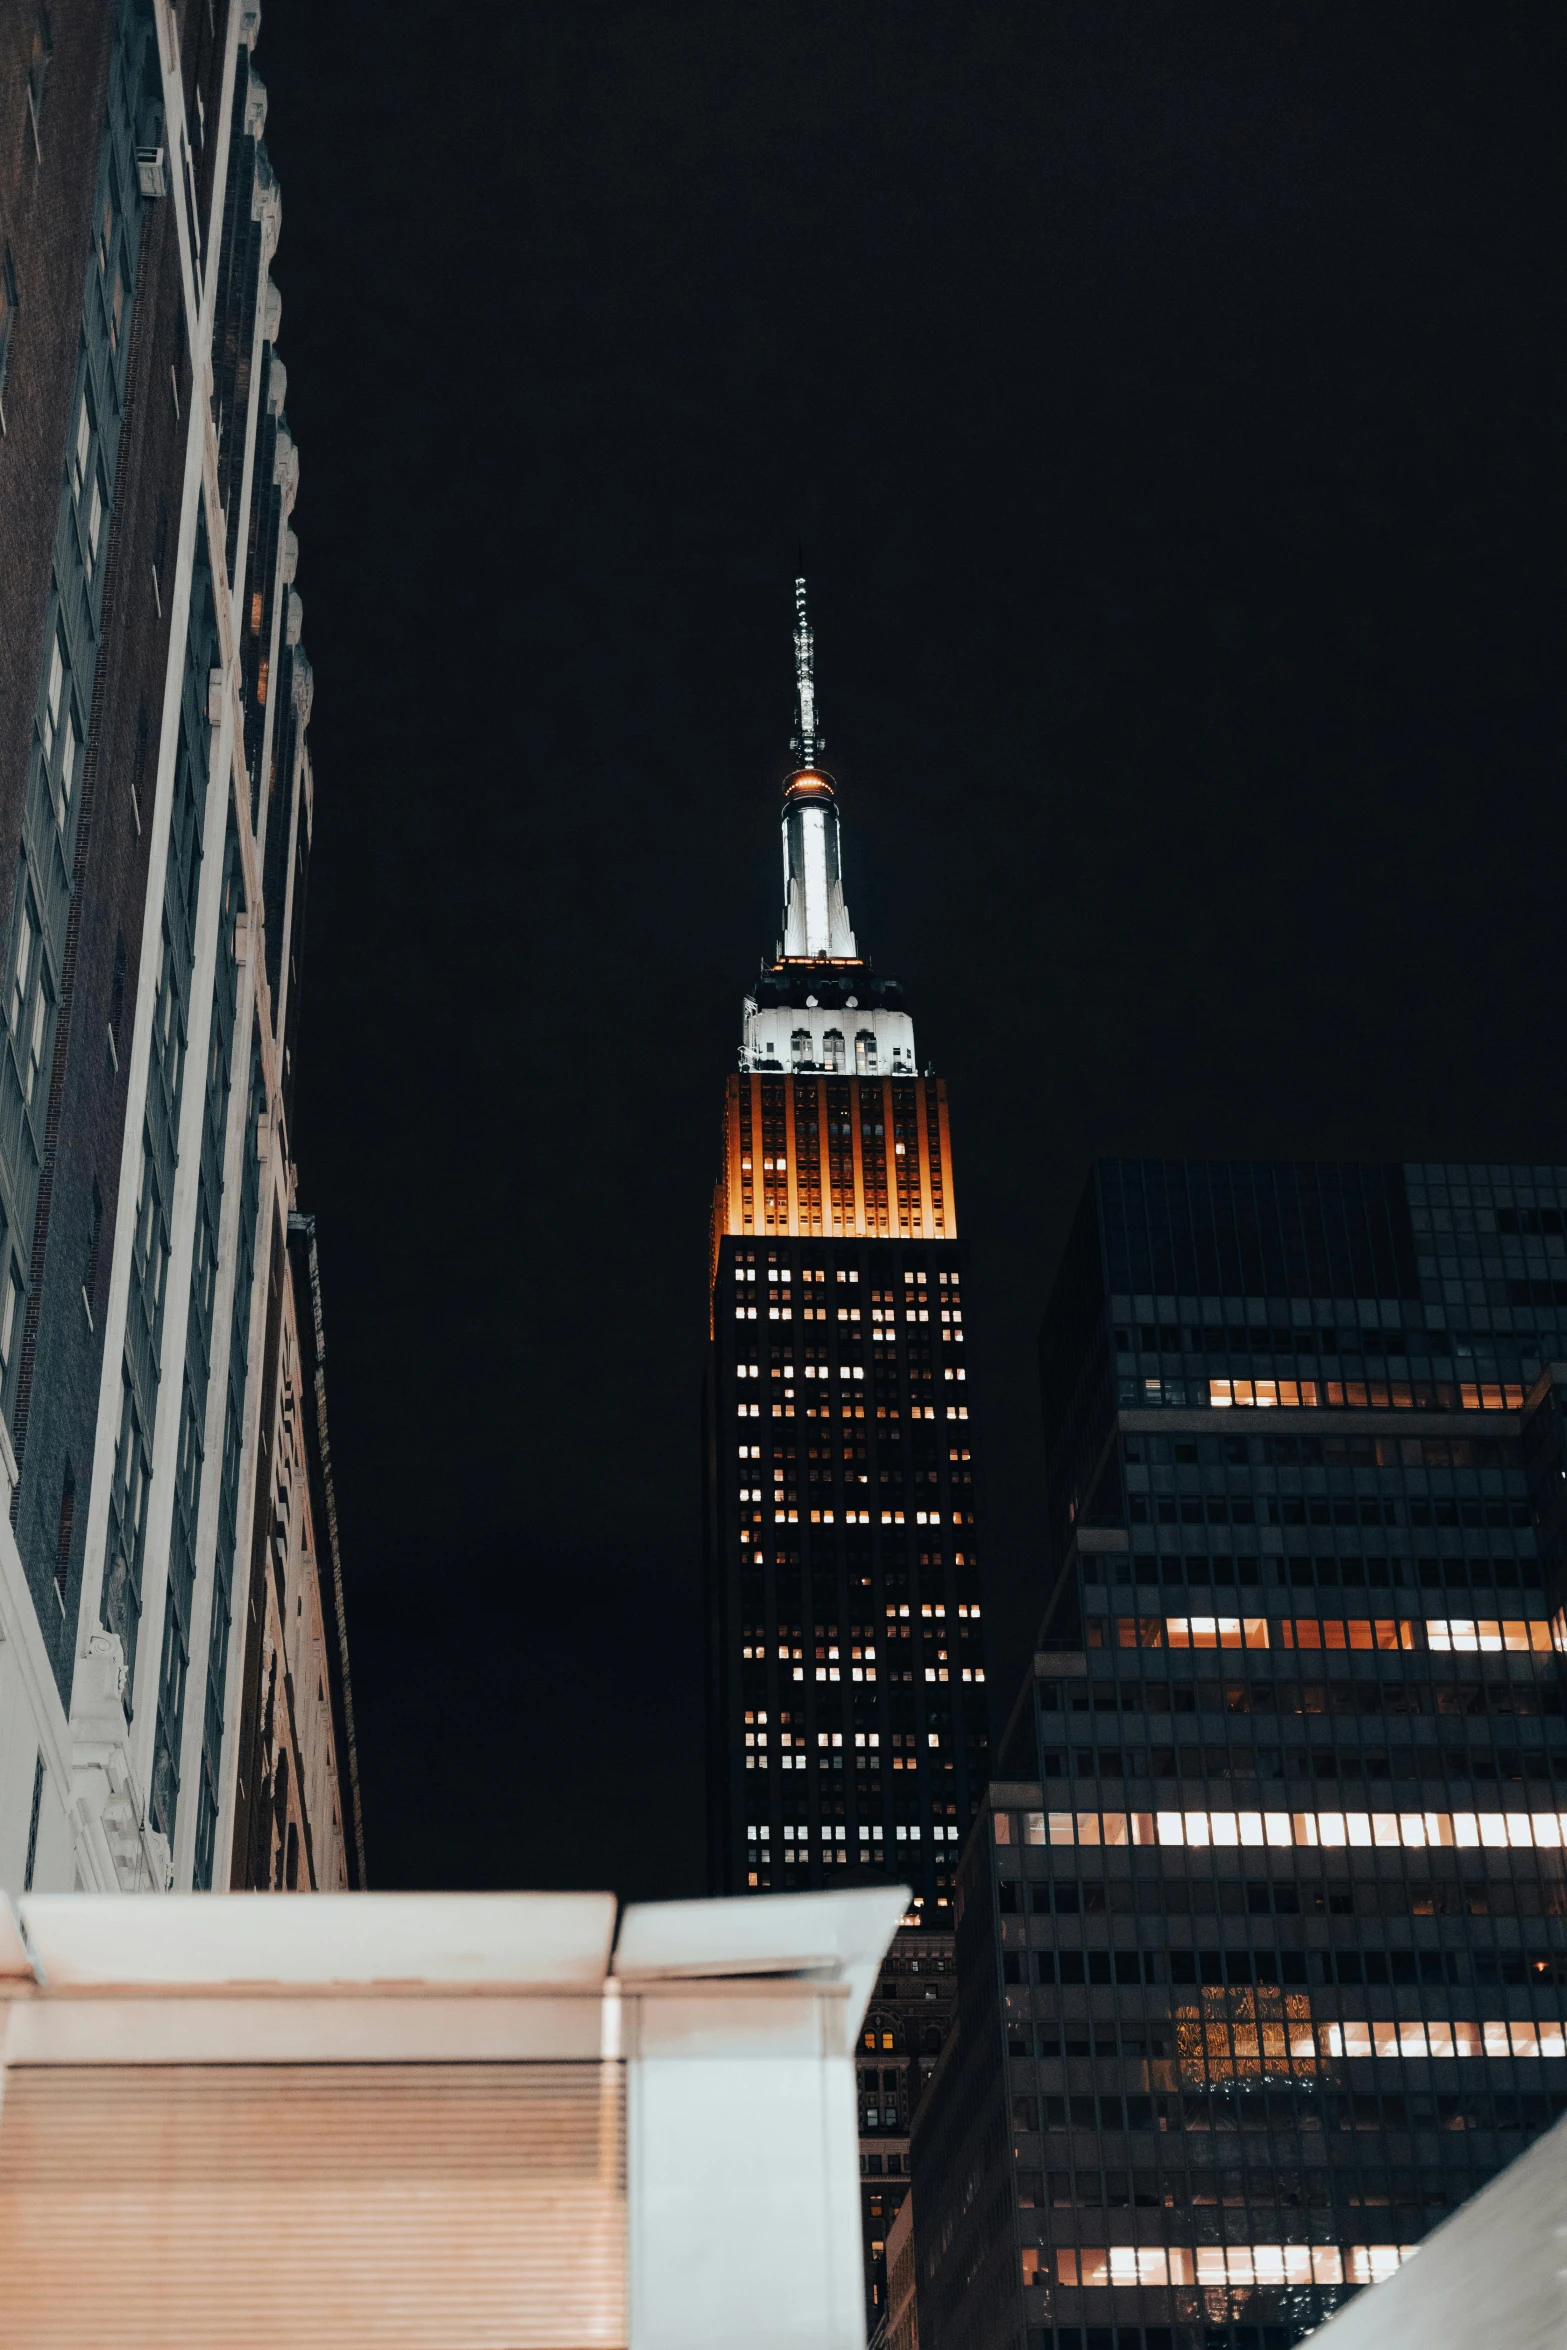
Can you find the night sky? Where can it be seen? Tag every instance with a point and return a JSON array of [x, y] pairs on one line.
[[1170, 404]]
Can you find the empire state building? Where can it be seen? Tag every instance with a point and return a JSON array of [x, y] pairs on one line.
[[846, 1653]]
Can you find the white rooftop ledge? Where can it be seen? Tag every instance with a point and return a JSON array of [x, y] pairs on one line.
[[323, 1941], [836, 1937]]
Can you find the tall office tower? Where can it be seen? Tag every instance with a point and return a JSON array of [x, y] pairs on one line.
[[847, 1718], [1262, 1942], [157, 792]]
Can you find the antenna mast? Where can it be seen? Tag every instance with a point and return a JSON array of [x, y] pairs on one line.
[[808, 744]]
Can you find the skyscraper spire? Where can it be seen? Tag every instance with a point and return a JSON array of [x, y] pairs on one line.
[[820, 1005], [816, 921], [808, 743]]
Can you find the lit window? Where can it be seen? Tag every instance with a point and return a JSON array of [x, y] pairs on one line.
[[1350, 1632], [1371, 1831], [1195, 1632], [1212, 2264], [1486, 1635]]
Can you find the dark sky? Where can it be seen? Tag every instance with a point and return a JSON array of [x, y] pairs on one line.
[[1170, 402]]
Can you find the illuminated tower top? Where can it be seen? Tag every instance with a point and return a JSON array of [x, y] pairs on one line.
[[816, 920], [819, 1005]]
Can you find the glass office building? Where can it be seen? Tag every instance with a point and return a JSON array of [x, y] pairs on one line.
[[1262, 1941]]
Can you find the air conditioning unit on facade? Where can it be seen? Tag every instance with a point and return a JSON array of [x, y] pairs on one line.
[[149, 171]]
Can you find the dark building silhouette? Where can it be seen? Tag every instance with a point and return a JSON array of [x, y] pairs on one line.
[[900, 2041], [1262, 1940]]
